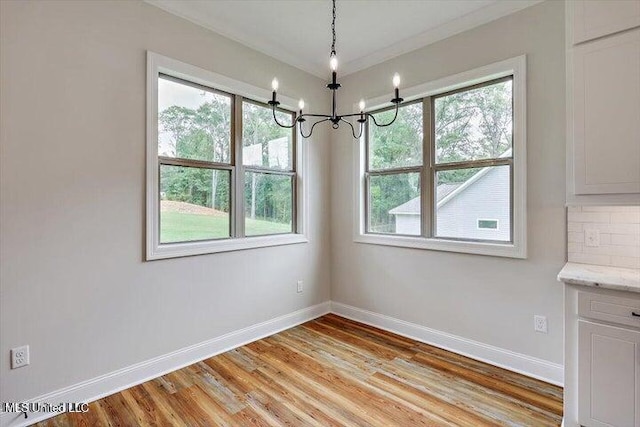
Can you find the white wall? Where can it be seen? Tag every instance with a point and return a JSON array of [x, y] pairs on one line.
[[73, 281], [486, 299]]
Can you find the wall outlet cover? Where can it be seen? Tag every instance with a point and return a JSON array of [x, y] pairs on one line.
[[19, 357], [540, 324], [592, 237]]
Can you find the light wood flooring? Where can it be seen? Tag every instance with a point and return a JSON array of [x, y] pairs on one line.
[[331, 372]]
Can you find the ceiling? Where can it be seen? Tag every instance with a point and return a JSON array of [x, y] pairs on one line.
[[298, 32]]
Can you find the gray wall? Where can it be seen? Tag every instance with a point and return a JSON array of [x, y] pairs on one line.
[[73, 282], [487, 299]]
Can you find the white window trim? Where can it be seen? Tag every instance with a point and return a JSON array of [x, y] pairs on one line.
[[154, 250], [518, 249]]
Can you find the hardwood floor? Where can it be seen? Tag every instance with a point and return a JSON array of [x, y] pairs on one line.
[[331, 372]]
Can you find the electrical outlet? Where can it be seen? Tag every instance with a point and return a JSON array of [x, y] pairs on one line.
[[540, 324], [19, 357], [300, 286], [592, 237]]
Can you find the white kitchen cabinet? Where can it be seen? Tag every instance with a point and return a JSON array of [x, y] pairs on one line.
[[603, 102], [597, 18], [606, 122], [608, 375], [601, 346]]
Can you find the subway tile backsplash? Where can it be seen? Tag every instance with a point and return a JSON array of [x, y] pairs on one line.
[[604, 235]]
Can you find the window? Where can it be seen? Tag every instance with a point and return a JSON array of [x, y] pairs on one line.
[[269, 172], [488, 224], [221, 175], [194, 158], [394, 156], [451, 168]]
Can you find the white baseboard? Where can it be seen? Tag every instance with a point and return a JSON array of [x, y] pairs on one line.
[[96, 388], [533, 367], [105, 385]]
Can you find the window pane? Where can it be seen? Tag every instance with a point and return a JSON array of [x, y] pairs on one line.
[[264, 143], [268, 203], [474, 203], [394, 203], [194, 203], [193, 123], [397, 145], [474, 124]]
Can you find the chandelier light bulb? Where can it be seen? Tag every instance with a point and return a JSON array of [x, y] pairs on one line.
[[333, 63], [396, 80], [301, 104], [361, 104], [274, 84]]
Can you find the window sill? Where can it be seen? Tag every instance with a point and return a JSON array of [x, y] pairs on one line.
[[175, 250], [507, 250]]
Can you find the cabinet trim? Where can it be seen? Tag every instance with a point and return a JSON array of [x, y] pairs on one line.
[[593, 366], [581, 33], [577, 103]]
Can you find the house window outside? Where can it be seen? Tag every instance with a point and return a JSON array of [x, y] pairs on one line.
[[443, 174], [488, 224], [221, 175]]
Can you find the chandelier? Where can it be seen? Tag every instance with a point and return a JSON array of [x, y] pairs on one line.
[[334, 117]]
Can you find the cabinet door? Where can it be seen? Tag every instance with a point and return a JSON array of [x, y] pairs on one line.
[[606, 121], [597, 18], [608, 375]]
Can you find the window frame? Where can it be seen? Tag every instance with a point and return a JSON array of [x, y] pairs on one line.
[[514, 68], [158, 65]]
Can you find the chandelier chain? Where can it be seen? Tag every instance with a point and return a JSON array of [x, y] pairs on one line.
[[333, 29]]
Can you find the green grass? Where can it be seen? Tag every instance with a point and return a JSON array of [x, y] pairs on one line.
[[184, 227]]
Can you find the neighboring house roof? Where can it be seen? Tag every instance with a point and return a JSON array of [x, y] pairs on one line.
[[444, 193], [412, 207]]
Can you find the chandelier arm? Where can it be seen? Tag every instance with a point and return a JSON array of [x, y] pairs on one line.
[[395, 116], [312, 126], [324, 116], [273, 108], [354, 115], [353, 130]]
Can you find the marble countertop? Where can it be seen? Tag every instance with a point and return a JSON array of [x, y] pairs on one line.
[[621, 279]]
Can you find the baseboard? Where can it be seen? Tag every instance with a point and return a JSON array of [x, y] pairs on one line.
[[533, 367], [105, 385], [96, 388]]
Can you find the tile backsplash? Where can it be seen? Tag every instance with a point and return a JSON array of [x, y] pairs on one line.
[[604, 235]]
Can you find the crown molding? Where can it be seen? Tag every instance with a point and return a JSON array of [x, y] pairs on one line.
[[466, 22], [459, 25], [228, 31]]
